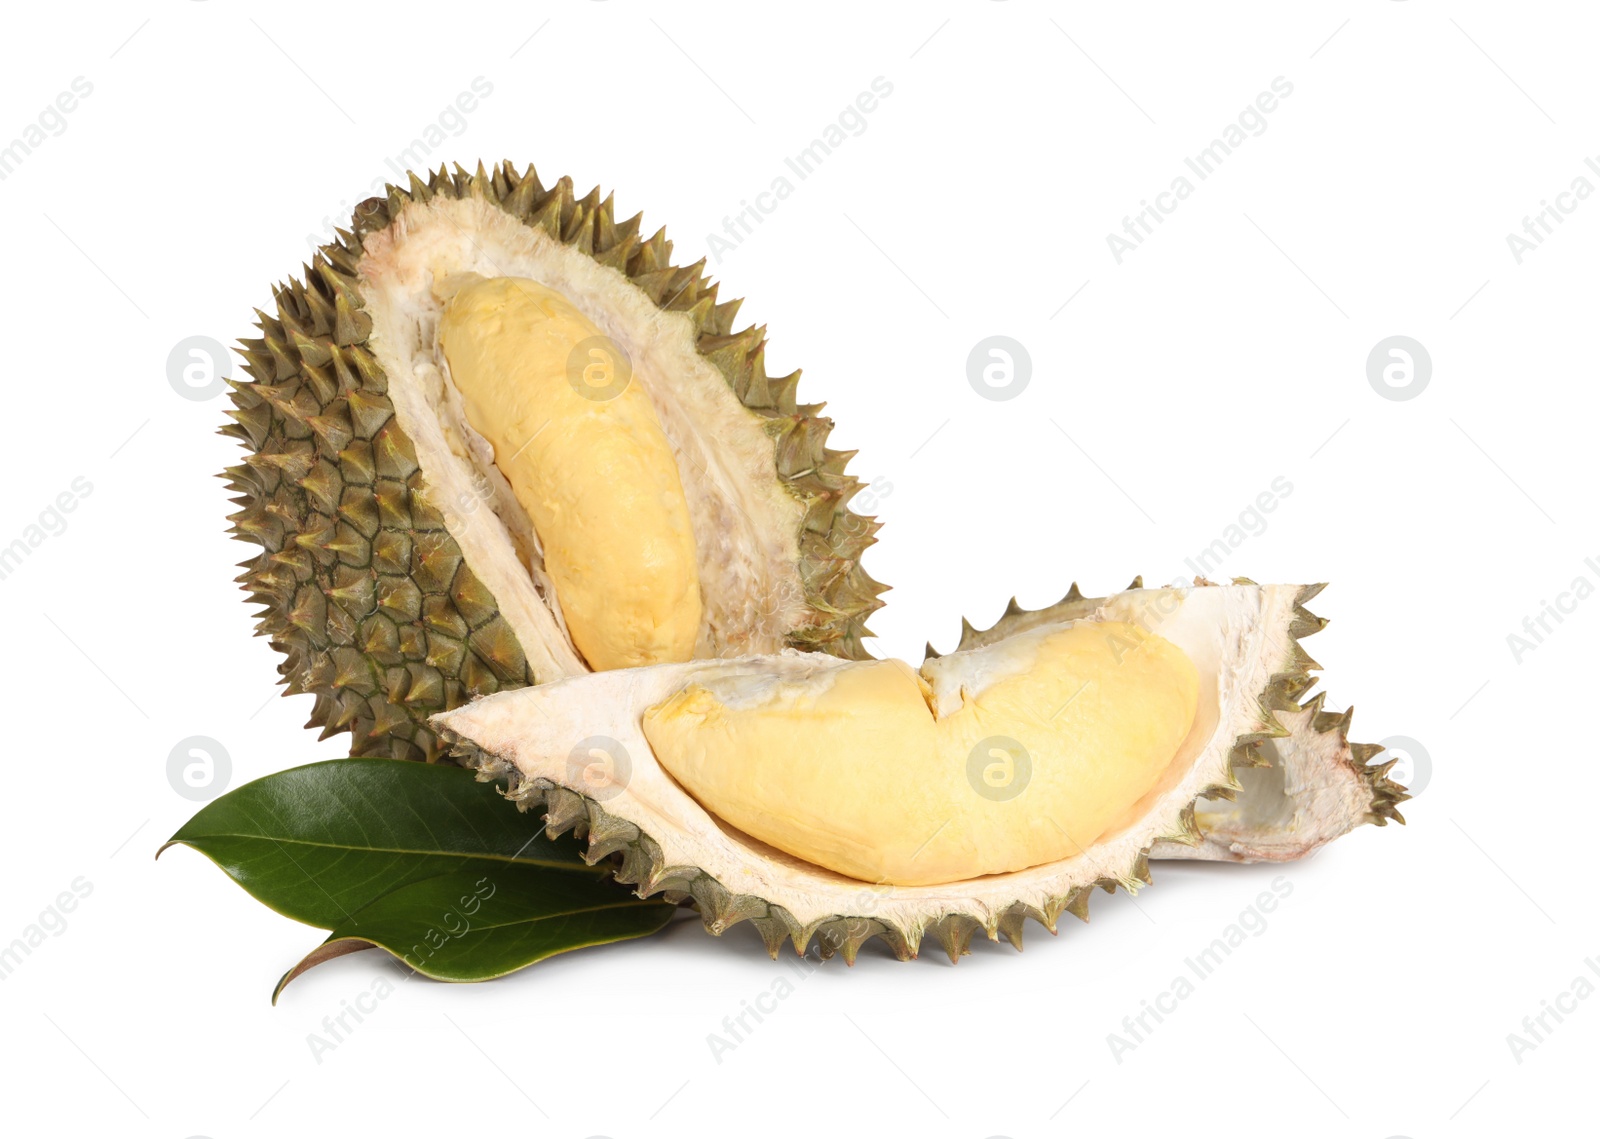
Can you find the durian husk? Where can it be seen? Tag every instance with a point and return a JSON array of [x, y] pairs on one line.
[[364, 585], [1297, 792], [1243, 640]]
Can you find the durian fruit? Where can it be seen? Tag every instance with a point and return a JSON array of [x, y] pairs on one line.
[[1081, 719], [497, 438], [836, 801], [1297, 791]]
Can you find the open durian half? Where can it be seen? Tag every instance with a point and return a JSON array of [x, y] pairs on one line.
[[837, 800], [1297, 791], [497, 438]]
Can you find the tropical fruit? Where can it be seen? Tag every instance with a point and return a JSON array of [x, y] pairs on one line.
[[1297, 791], [1083, 718], [528, 502], [837, 800], [497, 438]]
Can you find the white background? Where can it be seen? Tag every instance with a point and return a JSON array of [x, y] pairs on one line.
[[1230, 349]]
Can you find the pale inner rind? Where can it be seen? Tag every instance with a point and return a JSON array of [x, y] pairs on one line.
[[1312, 792], [747, 523]]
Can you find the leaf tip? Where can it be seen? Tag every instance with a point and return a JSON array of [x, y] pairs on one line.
[[333, 947]]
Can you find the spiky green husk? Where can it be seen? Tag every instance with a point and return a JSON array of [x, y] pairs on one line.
[[879, 911], [365, 591], [1314, 783]]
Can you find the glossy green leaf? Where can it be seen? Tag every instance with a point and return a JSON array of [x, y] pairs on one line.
[[322, 842], [472, 926]]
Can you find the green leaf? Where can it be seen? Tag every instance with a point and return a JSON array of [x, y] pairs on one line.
[[322, 842], [471, 926]]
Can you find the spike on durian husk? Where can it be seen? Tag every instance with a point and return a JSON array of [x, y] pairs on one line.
[[334, 483], [1299, 789], [1241, 639]]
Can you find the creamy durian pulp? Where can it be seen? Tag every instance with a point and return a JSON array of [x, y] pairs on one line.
[[985, 762], [585, 455]]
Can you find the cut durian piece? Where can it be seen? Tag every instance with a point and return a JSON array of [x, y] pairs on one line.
[[403, 571], [1297, 792], [587, 461], [585, 749], [1010, 756]]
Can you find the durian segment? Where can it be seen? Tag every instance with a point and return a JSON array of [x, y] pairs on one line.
[[391, 569], [586, 458], [985, 762], [1297, 792], [750, 562], [543, 743]]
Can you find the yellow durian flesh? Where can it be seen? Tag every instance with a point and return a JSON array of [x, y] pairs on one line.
[[585, 455], [892, 776]]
